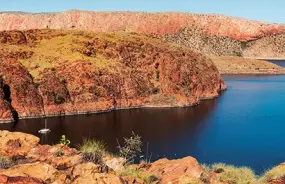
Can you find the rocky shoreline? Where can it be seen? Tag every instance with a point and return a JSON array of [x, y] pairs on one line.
[[115, 109], [24, 161]]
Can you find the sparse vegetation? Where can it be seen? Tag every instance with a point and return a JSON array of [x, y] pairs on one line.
[[36, 85], [59, 153], [155, 90], [234, 175], [157, 75], [64, 141], [132, 171], [59, 99], [275, 173], [5, 163], [239, 54], [93, 150], [132, 148]]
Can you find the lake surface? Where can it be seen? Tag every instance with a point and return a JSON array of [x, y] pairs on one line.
[[278, 62], [244, 126]]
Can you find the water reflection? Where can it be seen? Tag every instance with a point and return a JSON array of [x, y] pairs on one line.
[[164, 130]]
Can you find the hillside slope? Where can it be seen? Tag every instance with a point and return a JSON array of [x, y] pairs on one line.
[[213, 35], [141, 22], [54, 72], [267, 46]]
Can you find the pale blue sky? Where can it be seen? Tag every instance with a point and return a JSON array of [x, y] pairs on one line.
[[265, 10]]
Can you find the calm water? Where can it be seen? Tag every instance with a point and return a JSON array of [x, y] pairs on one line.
[[244, 126], [278, 62]]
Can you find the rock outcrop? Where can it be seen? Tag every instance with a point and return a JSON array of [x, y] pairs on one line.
[[63, 165], [53, 72]]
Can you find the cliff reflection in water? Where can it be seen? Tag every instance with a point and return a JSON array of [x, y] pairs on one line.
[[169, 132]]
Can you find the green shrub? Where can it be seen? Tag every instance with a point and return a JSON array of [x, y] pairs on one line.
[[5, 163], [64, 141], [132, 148], [157, 75], [59, 99], [36, 85], [155, 90], [59, 153], [239, 54], [93, 150], [234, 175]]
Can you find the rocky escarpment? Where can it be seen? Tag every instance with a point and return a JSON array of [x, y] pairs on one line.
[[24, 161], [140, 22], [53, 72]]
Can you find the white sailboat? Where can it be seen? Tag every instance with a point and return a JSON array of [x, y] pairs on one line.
[[45, 130]]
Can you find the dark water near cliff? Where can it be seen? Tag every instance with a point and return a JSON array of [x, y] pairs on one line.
[[244, 126], [278, 62]]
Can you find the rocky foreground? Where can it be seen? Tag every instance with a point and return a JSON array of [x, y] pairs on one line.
[[24, 161], [56, 72]]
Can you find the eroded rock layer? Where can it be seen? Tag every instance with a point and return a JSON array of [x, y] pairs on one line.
[[53, 72]]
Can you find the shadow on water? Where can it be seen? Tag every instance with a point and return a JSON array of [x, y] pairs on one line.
[[164, 129]]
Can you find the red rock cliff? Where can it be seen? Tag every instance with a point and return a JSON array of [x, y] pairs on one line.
[[53, 72], [159, 23]]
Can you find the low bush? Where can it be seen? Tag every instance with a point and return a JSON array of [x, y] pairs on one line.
[[136, 173], [59, 153], [275, 173], [64, 141], [234, 175], [59, 99], [93, 150], [155, 90], [132, 148], [5, 163]]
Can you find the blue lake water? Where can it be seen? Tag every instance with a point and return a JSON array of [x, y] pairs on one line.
[[244, 126]]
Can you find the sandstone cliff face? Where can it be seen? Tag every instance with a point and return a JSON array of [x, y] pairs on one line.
[[158, 23], [49, 72]]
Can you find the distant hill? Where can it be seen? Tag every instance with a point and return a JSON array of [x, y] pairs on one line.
[[141, 22], [216, 35]]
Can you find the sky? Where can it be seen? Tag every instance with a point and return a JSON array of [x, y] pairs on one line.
[[264, 10]]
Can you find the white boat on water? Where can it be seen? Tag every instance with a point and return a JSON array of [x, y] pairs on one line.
[[44, 130]]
